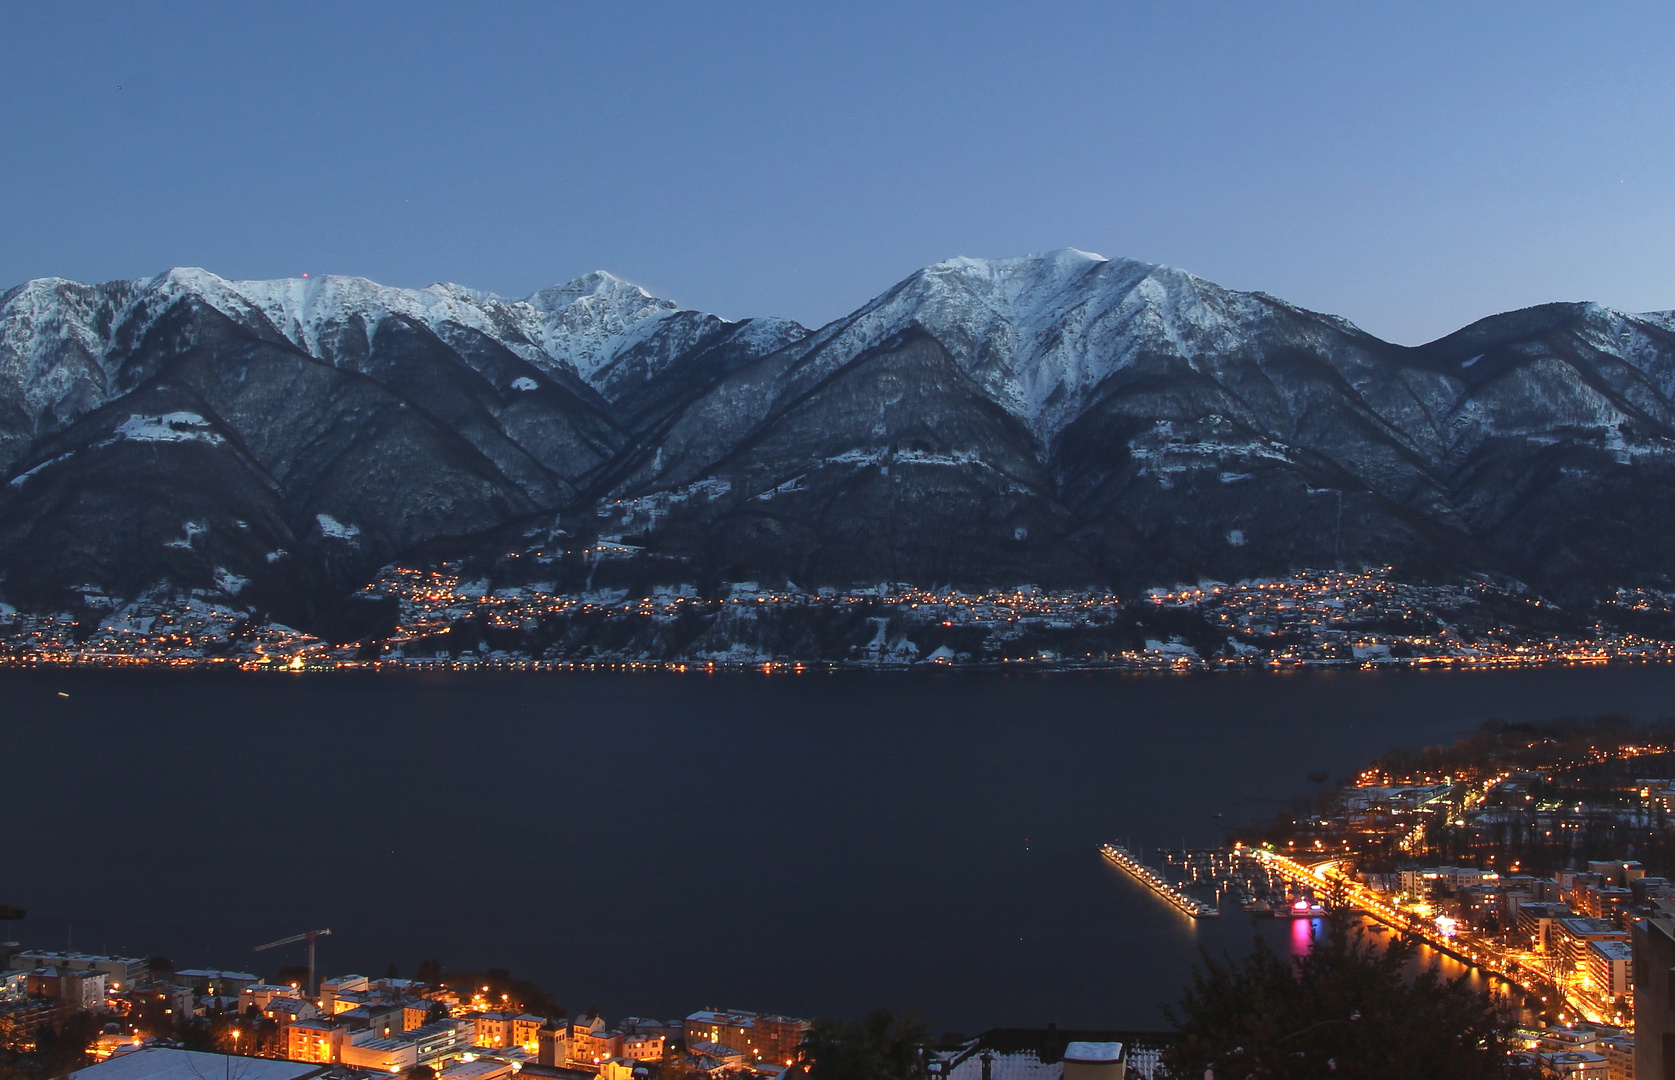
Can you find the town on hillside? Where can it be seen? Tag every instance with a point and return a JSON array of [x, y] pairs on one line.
[[455, 617], [129, 1018]]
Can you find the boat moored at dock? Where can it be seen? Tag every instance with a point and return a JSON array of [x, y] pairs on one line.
[[1140, 872]]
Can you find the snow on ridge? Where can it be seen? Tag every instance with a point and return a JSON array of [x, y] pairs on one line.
[[1061, 259], [579, 325], [61, 340], [1041, 332], [596, 283], [1039, 326], [572, 325], [169, 427]]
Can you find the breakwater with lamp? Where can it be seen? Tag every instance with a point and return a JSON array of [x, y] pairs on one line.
[[1121, 857]]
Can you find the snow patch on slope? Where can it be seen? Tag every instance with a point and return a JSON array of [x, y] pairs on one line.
[[61, 341], [169, 427], [1041, 332], [334, 529]]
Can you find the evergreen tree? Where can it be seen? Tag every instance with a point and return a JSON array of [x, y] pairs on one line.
[[1347, 1008], [881, 1047]]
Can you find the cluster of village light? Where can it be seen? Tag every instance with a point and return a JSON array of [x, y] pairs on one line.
[[1311, 617], [1452, 799]]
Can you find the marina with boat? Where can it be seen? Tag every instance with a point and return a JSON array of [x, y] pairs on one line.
[[1201, 882]]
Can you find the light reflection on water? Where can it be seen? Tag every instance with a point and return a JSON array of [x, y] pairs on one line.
[[813, 846], [1305, 931]]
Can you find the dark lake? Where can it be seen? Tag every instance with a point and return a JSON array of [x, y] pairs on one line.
[[654, 844]]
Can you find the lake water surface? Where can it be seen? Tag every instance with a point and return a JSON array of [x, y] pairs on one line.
[[654, 844]]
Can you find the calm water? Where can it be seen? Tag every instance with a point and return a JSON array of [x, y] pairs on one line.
[[656, 844]]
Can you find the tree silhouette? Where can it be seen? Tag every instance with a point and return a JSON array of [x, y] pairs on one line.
[[62, 1047], [880, 1047], [1347, 1008]]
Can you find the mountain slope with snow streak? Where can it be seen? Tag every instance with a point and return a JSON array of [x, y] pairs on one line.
[[1056, 418], [63, 344]]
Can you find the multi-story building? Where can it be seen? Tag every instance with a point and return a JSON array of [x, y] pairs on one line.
[[25, 1016], [1603, 901], [1536, 925], [205, 981], [1571, 937], [1480, 906], [1654, 1001], [1610, 968], [384, 1017], [161, 1001], [429, 1044], [318, 1040], [1524, 889], [1566, 1038], [415, 1014], [494, 1029], [759, 1037], [1617, 872], [644, 1047], [379, 1053], [732, 1029], [85, 989], [439, 1041], [712, 1056], [780, 1038], [121, 971], [259, 994], [1421, 882], [333, 989], [592, 1043], [285, 1010], [526, 1030], [1619, 1056], [1646, 889], [621, 1068], [1576, 1065]]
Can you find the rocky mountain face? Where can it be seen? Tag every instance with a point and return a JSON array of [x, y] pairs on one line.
[[1059, 419]]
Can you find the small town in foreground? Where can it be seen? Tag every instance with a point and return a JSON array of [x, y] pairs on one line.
[[1539, 859], [443, 617], [116, 1017]]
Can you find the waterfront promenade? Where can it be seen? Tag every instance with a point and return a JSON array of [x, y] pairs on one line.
[[1121, 857]]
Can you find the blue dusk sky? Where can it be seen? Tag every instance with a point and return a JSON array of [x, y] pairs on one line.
[[1411, 166]]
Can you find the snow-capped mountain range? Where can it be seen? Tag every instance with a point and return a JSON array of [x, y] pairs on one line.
[[1057, 418]]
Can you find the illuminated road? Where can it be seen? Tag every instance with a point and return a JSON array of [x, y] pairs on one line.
[[1325, 878]]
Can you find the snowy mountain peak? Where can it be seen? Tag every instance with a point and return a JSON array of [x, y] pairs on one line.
[[1060, 260], [59, 339], [598, 284], [1041, 332]]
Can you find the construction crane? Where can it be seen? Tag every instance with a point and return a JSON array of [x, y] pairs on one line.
[[308, 937]]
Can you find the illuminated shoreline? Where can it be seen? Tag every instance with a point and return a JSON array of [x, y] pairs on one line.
[[800, 667]]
